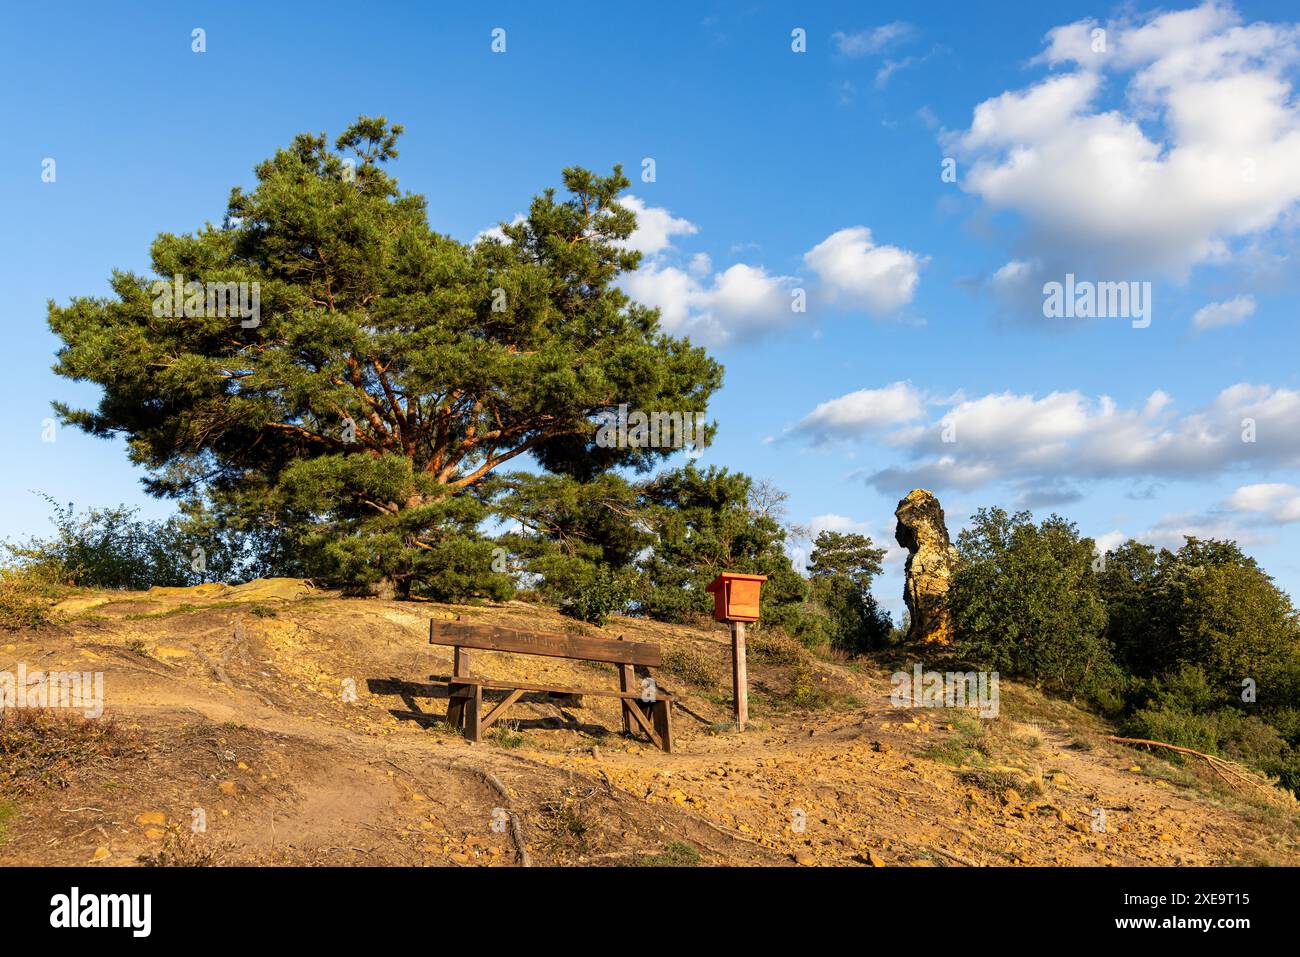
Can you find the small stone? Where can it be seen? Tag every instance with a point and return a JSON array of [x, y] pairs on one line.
[[1010, 797], [804, 859], [151, 818], [154, 833], [228, 788], [101, 853]]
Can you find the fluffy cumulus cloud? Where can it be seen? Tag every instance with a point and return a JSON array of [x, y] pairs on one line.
[[655, 227], [1248, 516], [864, 410], [496, 232], [1043, 445], [831, 522], [848, 270], [1152, 151], [1274, 502], [741, 301], [858, 273], [1231, 313]]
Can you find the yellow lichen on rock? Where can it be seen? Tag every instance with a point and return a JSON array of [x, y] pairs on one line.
[[931, 558]]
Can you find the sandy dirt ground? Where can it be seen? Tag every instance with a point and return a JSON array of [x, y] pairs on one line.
[[275, 724]]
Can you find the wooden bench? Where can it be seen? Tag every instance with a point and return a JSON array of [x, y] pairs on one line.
[[649, 712]]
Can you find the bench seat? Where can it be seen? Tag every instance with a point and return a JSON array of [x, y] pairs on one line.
[[495, 684]]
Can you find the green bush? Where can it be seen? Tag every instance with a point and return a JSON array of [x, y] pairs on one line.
[[603, 593], [1226, 732], [1025, 603], [690, 665], [115, 548], [21, 605], [774, 647], [106, 548]]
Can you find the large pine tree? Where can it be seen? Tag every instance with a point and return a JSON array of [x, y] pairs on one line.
[[389, 369]]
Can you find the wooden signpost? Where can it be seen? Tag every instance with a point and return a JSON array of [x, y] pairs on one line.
[[736, 601]]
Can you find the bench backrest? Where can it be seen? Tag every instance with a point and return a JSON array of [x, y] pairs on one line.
[[494, 638]]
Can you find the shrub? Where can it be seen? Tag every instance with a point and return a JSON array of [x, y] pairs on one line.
[[115, 548], [22, 605], [773, 647], [603, 593], [690, 665], [674, 854], [1226, 732], [1025, 602]]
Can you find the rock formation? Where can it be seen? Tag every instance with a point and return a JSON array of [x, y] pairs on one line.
[[930, 560]]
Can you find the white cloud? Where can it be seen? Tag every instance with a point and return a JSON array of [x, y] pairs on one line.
[[1012, 272], [1201, 151], [738, 303], [830, 522], [863, 42], [1038, 441], [1231, 313], [891, 67], [1277, 502], [1072, 43], [1172, 530], [856, 272], [744, 301], [495, 232], [1109, 541], [864, 410], [655, 227]]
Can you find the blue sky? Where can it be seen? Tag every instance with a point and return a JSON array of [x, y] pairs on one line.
[[1170, 157]]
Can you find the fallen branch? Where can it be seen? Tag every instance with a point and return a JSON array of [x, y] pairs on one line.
[[1221, 766], [953, 857]]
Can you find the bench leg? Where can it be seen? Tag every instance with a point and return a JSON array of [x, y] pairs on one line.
[[663, 721], [474, 714], [455, 711], [626, 682]]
